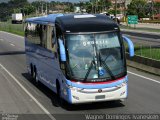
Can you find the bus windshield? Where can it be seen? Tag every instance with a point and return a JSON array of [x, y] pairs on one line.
[[95, 57]]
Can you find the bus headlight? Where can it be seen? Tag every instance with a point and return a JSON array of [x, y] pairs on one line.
[[68, 86], [122, 84], [76, 89], [65, 92], [75, 97], [73, 88]]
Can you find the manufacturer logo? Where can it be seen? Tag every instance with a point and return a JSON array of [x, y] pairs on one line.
[[100, 90]]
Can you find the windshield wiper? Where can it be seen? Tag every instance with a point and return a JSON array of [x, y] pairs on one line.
[[106, 67], [89, 70]]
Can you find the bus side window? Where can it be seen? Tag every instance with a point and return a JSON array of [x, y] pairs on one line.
[[53, 42], [51, 39], [43, 36], [26, 29]]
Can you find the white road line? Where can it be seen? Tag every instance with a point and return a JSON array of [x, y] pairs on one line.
[[12, 34], [144, 77], [12, 44], [1, 40], [28, 93]]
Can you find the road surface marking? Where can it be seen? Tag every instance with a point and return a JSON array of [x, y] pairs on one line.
[[12, 44], [1, 40], [28, 93], [144, 77], [12, 34]]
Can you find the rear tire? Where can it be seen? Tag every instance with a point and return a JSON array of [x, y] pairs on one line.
[[35, 76], [31, 68]]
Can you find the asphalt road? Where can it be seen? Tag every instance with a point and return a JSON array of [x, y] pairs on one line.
[[19, 94], [143, 38]]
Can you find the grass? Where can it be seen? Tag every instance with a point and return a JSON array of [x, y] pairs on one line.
[[152, 52], [12, 28]]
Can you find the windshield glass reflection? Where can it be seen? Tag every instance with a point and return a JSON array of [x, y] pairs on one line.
[[101, 53]]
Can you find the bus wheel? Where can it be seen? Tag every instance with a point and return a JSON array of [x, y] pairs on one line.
[[35, 76], [31, 68], [61, 101]]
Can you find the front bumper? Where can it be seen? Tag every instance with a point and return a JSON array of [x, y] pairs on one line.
[[92, 95]]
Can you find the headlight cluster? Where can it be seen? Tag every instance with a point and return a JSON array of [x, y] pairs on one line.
[[73, 88], [122, 84]]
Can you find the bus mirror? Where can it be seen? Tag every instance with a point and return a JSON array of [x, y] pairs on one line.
[[62, 51], [130, 45]]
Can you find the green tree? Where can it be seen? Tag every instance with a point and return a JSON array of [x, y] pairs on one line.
[[88, 7], [157, 7], [138, 7], [114, 12], [99, 6], [28, 9], [17, 3]]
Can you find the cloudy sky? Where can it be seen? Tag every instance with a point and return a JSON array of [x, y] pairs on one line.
[[50, 0]]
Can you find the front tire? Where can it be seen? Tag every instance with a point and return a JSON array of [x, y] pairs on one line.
[[61, 101]]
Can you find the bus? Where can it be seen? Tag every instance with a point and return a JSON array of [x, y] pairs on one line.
[[79, 57]]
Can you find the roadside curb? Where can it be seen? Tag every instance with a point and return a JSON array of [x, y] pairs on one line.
[[143, 67], [144, 64]]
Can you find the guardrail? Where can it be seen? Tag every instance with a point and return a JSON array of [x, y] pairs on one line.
[[147, 58], [12, 28], [147, 51]]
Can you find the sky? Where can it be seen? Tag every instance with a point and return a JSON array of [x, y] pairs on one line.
[[61, 0], [49, 0], [4, 1]]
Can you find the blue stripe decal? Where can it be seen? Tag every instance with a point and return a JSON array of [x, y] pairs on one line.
[[127, 86], [69, 96], [96, 86]]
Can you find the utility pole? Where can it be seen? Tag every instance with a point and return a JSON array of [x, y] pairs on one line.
[[42, 8], [92, 7], [46, 9], [69, 6], [115, 11], [41, 3], [152, 9], [96, 7]]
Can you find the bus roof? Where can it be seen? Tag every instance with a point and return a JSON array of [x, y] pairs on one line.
[[44, 19], [86, 23], [70, 23]]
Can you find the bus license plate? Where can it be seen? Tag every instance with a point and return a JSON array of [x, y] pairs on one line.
[[100, 97]]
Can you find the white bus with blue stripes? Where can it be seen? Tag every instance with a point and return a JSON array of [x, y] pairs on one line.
[[79, 57]]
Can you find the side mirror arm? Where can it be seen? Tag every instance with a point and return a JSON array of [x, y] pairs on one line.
[[62, 51], [130, 45]]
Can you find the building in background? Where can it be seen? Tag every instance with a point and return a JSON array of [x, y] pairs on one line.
[[121, 7], [153, 0]]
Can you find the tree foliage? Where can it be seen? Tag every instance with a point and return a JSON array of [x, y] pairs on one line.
[[157, 7], [99, 6], [142, 8], [13, 6]]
